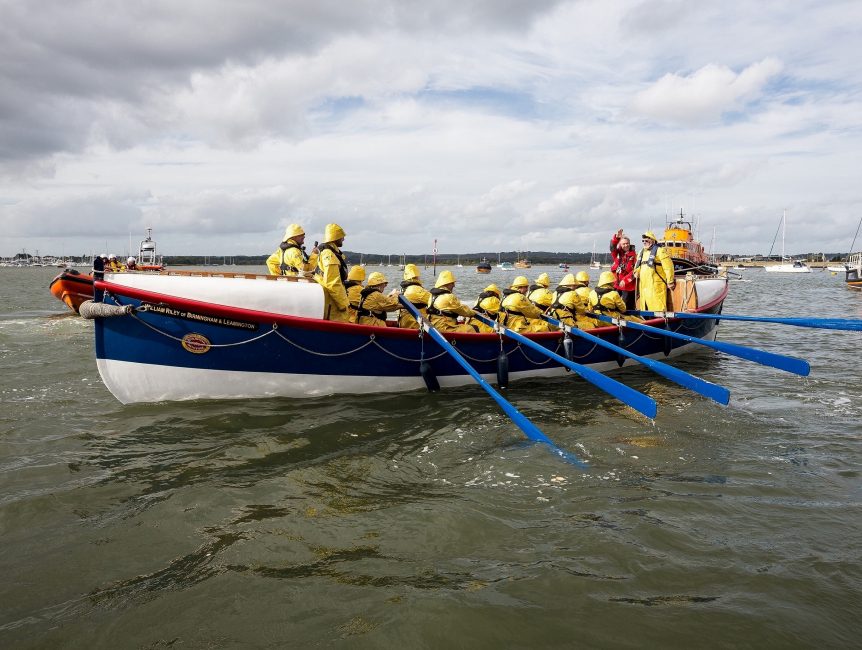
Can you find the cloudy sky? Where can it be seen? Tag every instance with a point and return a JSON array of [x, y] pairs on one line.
[[486, 124]]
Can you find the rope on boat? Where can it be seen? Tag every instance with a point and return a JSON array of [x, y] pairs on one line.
[[92, 310]]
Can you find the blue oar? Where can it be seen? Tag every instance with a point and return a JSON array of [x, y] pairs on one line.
[[849, 324], [530, 430], [713, 391], [789, 364], [628, 396]]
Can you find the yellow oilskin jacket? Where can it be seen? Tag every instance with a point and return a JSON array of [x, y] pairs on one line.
[[421, 297], [373, 306], [336, 304], [521, 315], [541, 296], [653, 276], [354, 295], [444, 309], [406, 320], [608, 302], [572, 311], [292, 258], [480, 327]]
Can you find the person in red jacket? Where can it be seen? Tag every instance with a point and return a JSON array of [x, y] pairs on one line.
[[625, 257]]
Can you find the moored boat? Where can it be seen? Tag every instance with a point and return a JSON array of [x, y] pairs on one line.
[[484, 266], [180, 336], [853, 271]]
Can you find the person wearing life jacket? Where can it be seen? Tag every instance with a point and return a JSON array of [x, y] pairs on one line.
[[582, 286], [491, 290], [411, 279], [114, 265], [518, 313], [539, 294], [489, 307], [418, 297], [354, 287], [625, 258], [606, 300], [568, 283], [654, 270], [373, 304], [131, 264], [444, 308], [291, 258], [569, 309], [333, 274]]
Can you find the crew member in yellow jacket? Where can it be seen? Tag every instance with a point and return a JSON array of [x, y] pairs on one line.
[[373, 304], [654, 270], [411, 279], [355, 277], [333, 274], [291, 258], [520, 314], [582, 286], [418, 297], [444, 308], [489, 307], [491, 290], [606, 300], [539, 294], [570, 310]]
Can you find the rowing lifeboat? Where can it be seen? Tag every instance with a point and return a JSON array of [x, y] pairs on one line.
[[72, 288], [182, 335]]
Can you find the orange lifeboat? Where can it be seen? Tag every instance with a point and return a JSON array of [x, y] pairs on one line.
[[72, 288], [680, 243]]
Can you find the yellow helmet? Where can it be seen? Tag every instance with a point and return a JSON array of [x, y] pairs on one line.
[[411, 272], [519, 282], [491, 304], [444, 278], [569, 300], [292, 230], [416, 294], [583, 276], [649, 234], [356, 273], [545, 299], [606, 278], [376, 278], [493, 288], [332, 232], [568, 280], [544, 280]]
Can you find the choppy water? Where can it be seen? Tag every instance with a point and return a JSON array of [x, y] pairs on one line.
[[426, 521]]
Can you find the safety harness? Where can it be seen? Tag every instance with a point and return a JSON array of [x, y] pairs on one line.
[[286, 268], [361, 311], [342, 263]]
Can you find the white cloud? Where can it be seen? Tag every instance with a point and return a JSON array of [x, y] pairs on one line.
[[705, 95], [485, 125]]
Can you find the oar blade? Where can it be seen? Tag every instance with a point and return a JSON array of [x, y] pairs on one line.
[[712, 391], [846, 324], [626, 394], [521, 421], [780, 361]]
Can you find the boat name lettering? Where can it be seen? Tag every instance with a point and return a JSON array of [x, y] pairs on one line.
[[202, 318]]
